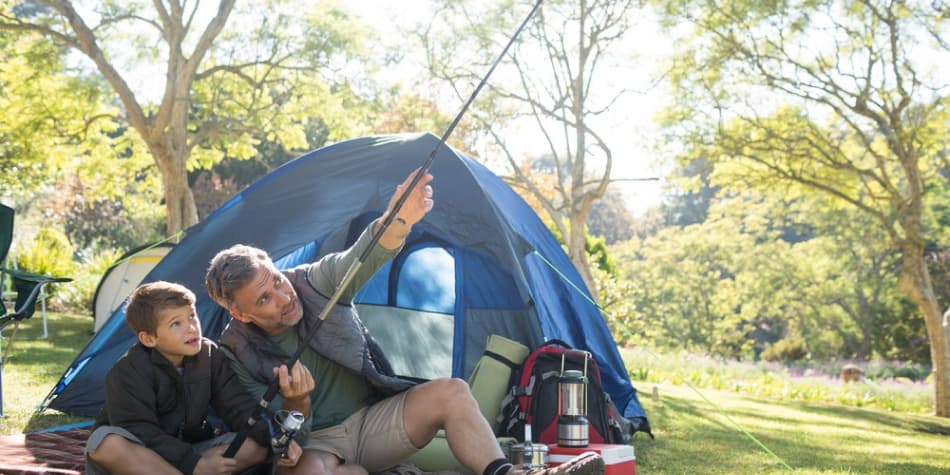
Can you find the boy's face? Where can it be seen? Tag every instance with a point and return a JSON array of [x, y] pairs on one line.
[[268, 301], [178, 334]]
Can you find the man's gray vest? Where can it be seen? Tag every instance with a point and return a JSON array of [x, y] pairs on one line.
[[341, 338]]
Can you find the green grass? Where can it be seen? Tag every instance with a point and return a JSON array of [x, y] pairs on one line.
[[693, 436], [34, 364], [811, 436]]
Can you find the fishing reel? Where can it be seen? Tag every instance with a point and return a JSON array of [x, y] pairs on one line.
[[285, 427]]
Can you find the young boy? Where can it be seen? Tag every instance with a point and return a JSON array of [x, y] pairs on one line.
[[157, 396]]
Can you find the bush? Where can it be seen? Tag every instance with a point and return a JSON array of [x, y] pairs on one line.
[[77, 295], [785, 350], [49, 253], [896, 369]]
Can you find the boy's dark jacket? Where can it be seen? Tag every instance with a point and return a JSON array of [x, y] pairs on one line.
[[147, 396]]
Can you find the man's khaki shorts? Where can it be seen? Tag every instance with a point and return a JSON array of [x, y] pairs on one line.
[[374, 437]]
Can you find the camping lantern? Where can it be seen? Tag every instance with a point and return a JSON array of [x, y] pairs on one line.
[[572, 424]]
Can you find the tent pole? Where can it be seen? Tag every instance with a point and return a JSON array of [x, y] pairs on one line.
[[350, 274]]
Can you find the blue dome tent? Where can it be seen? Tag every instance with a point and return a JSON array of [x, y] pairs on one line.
[[480, 263]]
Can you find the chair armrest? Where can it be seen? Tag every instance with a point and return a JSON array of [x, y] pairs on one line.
[[17, 274], [28, 286]]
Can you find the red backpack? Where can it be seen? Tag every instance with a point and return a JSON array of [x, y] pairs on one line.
[[533, 397]]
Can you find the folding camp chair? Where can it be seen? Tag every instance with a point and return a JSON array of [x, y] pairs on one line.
[[26, 284]]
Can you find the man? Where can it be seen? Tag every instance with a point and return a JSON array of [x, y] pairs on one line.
[[362, 419]]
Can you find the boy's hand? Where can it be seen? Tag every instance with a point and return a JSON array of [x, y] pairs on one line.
[[293, 455], [295, 387], [213, 462]]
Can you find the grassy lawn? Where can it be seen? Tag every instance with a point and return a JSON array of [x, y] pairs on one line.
[[34, 365], [692, 435]]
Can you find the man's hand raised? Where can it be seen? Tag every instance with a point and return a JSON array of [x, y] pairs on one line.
[[416, 206], [296, 385]]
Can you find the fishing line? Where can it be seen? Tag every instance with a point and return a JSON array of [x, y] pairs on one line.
[[273, 387], [717, 407]]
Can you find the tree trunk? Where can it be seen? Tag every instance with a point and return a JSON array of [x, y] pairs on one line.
[[577, 252], [915, 283], [179, 201]]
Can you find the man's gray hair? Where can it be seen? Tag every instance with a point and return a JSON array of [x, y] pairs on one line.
[[232, 269]]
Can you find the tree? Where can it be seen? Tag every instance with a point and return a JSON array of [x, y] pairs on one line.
[[48, 117], [558, 78], [221, 87], [688, 202], [733, 284], [830, 96], [396, 111], [610, 218]]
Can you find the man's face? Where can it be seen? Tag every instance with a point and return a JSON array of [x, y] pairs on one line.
[[177, 335], [268, 301]]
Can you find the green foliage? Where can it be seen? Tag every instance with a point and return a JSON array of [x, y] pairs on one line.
[[77, 296], [49, 253], [266, 73], [596, 247], [51, 119], [761, 269], [97, 221], [618, 309], [801, 99], [785, 350]]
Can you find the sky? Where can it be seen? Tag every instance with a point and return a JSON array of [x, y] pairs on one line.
[[628, 124]]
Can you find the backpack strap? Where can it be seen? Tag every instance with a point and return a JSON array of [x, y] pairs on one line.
[[501, 359]]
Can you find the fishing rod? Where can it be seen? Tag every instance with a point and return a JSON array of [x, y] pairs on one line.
[[274, 387]]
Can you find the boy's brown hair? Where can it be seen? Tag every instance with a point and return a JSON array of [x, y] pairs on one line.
[[141, 313]]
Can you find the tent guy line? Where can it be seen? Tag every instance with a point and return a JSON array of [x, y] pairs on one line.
[[712, 403]]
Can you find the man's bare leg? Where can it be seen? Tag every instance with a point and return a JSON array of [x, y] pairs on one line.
[[448, 404], [316, 462], [120, 456]]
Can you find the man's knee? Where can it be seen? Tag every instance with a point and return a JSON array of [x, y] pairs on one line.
[[455, 390], [447, 394]]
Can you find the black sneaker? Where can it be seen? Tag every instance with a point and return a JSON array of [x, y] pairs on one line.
[[587, 463]]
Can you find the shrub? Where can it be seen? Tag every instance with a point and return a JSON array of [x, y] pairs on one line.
[[77, 295], [897, 369], [49, 253], [785, 350]]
